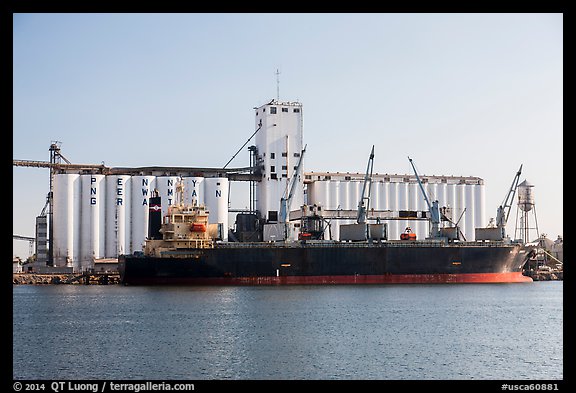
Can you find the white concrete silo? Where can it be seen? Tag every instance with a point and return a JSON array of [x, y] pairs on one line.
[[166, 186], [402, 205], [118, 217], [92, 221], [375, 195], [479, 205], [344, 198], [460, 206], [451, 199], [322, 193], [193, 190], [414, 197], [141, 189], [66, 219], [334, 194], [441, 194], [216, 200], [393, 231], [354, 194], [469, 215], [334, 204]]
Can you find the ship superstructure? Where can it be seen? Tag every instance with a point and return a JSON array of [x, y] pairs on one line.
[[184, 226]]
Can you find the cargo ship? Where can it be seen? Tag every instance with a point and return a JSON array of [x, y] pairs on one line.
[[182, 249], [307, 262]]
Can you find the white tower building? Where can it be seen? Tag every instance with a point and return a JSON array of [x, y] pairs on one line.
[[279, 148]]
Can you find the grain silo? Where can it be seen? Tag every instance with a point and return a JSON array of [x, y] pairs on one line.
[[141, 188], [66, 221]]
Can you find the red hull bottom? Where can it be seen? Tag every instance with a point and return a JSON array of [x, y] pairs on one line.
[[349, 279]]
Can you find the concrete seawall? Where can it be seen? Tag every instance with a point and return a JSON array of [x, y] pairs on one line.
[[48, 279]]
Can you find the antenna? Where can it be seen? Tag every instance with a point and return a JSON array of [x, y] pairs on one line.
[[277, 85]]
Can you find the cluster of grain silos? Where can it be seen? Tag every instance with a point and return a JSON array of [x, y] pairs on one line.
[[103, 216], [337, 191]]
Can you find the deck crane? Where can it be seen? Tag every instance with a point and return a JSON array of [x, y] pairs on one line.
[[289, 192], [433, 208], [364, 203], [503, 211]]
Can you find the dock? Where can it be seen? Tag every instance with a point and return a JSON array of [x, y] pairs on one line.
[[545, 275]]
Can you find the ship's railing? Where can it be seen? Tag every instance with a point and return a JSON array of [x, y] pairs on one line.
[[335, 244]]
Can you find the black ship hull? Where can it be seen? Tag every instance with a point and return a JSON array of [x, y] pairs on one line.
[[329, 263]]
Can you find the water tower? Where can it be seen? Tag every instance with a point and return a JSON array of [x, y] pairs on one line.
[[526, 208]]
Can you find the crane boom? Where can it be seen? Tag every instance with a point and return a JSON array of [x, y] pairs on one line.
[[433, 208], [504, 209], [285, 200], [420, 184], [245, 143], [364, 206]]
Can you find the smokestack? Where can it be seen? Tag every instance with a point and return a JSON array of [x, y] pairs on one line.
[[154, 216]]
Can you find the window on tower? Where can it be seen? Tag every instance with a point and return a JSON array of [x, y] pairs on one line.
[[284, 109], [272, 110], [273, 215]]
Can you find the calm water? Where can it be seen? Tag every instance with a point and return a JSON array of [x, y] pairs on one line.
[[487, 331]]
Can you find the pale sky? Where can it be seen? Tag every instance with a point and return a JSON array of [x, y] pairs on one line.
[[461, 94]]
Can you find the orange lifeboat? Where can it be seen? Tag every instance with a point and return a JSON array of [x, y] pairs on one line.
[[198, 227], [408, 234]]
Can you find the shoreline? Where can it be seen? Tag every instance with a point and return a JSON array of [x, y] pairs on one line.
[[59, 278]]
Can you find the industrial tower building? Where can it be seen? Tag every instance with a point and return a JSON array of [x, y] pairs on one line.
[[279, 150]]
